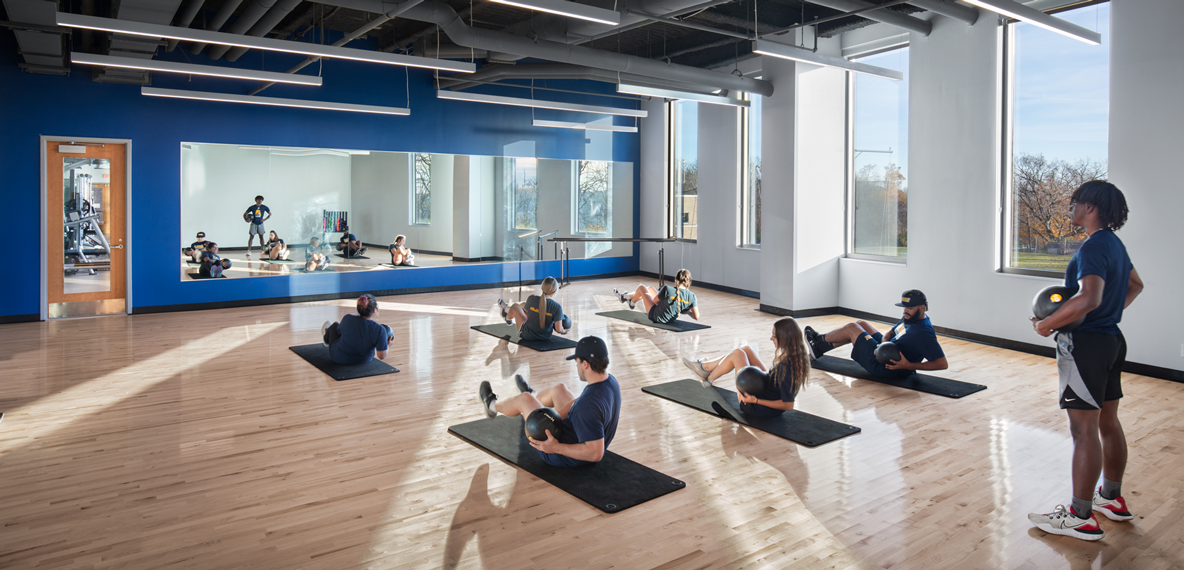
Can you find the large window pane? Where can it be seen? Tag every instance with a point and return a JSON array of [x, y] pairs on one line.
[[684, 169], [880, 124], [524, 193], [1060, 117], [751, 188], [594, 187], [421, 199]]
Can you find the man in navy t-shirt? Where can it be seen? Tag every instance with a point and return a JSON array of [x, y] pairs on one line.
[[589, 420], [256, 215], [349, 245], [913, 334], [1103, 282]]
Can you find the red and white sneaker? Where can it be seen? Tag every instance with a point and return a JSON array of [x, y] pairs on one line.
[[1114, 509], [1063, 521]]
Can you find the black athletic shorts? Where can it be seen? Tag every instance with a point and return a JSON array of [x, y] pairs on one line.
[[864, 352], [1089, 367]]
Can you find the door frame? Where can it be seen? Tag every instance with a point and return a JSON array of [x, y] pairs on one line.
[[128, 220]]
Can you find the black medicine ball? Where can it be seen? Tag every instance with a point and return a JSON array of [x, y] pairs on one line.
[[887, 352], [541, 420], [752, 380], [1048, 300]]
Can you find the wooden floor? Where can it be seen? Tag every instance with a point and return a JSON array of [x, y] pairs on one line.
[[198, 440]]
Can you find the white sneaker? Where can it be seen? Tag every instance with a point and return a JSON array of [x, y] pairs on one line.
[[696, 366], [624, 297], [324, 329], [1062, 521], [1115, 509]]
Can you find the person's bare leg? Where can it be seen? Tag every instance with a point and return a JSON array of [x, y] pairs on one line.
[[717, 367], [1113, 438], [645, 296], [845, 335], [1087, 452], [518, 315], [520, 405], [558, 397]]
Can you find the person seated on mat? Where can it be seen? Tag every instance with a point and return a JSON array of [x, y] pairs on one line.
[[196, 248], [913, 335], [212, 264], [789, 374], [664, 305], [275, 248], [589, 420], [349, 245], [357, 339], [540, 316], [314, 258], [400, 253], [255, 216]]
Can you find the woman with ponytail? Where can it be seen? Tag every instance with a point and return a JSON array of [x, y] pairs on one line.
[[540, 316], [789, 374], [358, 338], [664, 305]]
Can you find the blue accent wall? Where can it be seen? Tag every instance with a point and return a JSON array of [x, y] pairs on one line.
[[32, 105]]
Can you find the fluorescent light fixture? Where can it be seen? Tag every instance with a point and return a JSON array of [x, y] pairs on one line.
[[572, 9], [289, 149], [252, 42], [538, 104], [583, 126], [766, 47], [1038, 18], [191, 69], [274, 101], [670, 94]]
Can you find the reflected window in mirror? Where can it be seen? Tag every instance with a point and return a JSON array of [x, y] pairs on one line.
[[593, 197], [523, 190], [421, 199]]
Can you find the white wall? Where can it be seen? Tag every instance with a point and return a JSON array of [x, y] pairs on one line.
[[219, 182], [381, 183]]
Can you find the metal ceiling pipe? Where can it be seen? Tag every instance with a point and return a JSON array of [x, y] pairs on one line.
[[264, 26], [884, 16], [220, 18], [968, 14], [250, 16], [189, 11], [441, 14]]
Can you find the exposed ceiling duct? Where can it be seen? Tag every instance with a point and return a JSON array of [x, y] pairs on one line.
[[265, 25], [889, 17], [223, 14], [125, 45], [189, 11], [33, 24], [462, 34], [492, 73]]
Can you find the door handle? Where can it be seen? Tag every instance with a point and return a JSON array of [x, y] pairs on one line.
[[117, 247]]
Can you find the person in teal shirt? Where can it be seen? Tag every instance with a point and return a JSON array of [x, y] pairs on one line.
[[664, 305]]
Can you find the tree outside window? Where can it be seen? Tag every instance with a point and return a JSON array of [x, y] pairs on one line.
[[421, 202]]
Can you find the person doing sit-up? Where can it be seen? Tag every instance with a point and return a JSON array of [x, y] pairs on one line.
[[589, 420], [912, 334], [349, 245], [789, 374], [275, 248], [666, 304], [196, 248], [212, 264], [400, 253], [357, 339], [540, 316], [314, 258]]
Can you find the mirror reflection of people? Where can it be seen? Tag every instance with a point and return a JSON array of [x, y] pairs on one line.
[[275, 248], [789, 374], [212, 264], [589, 420], [664, 305], [400, 253], [257, 213], [359, 338], [913, 334], [540, 316], [196, 248], [314, 258], [349, 245]]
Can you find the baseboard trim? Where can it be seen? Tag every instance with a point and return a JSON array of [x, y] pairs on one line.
[[820, 312], [706, 285], [12, 319], [478, 259]]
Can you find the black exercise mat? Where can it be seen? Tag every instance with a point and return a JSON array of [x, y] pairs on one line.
[[641, 318], [917, 381], [794, 425], [612, 485], [276, 260], [318, 355], [200, 276], [510, 333], [351, 257], [393, 266]]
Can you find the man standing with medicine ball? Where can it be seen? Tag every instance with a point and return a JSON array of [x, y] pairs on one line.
[[256, 215]]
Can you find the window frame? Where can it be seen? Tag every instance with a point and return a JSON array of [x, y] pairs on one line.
[[744, 222], [413, 210], [672, 173], [575, 199], [849, 195]]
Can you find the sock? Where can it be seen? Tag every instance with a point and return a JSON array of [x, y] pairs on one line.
[[493, 406], [821, 342], [1110, 489], [1082, 507]]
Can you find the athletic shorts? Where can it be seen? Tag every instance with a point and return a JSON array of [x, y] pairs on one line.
[[557, 460], [1089, 367], [528, 333], [256, 230], [655, 310], [864, 352], [759, 411]]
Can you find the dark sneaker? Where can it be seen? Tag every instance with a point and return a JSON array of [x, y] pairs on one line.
[[1064, 521], [361, 251], [522, 385], [816, 347], [488, 399], [505, 311], [1115, 509]]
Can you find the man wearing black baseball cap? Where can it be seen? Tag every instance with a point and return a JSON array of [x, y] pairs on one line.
[[913, 334], [195, 249], [589, 420]]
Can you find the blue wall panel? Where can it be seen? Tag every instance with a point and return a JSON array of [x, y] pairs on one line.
[[32, 105]]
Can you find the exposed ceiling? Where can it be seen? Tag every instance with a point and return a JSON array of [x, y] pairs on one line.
[[700, 35]]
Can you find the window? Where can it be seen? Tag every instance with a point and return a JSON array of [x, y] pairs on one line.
[[1056, 137], [593, 197], [421, 198], [878, 212], [683, 133], [750, 185], [523, 193]]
